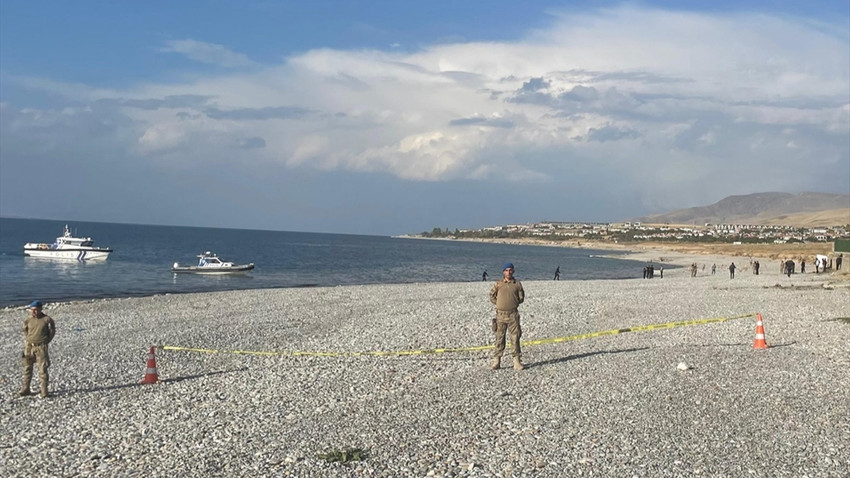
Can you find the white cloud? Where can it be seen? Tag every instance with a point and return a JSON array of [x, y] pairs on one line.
[[689, 103], [208, 53]]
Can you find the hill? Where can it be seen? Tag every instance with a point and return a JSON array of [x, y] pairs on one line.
[[807, 209]]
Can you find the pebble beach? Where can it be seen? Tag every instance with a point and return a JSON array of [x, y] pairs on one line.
[[683, 401]]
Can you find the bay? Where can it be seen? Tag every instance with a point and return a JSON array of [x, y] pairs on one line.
[[143, 255]]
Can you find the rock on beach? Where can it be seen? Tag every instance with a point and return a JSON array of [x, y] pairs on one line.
[[615, 405]]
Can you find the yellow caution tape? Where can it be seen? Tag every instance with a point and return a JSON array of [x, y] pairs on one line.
[[555, 340]]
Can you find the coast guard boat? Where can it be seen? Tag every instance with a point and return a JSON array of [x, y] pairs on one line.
[[68, 247], [209, 263]]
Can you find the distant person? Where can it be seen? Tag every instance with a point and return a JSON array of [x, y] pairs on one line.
[[39, 330], [732, 270], [817, 265], [838, 261], [661, 272], [645, 271], [484, 276], [713, 269], [756, 266], [507, 294], [789, 267], [803, 266], [558, 273]]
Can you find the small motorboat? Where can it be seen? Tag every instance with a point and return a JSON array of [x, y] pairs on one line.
[[209, 263], [68, 247]]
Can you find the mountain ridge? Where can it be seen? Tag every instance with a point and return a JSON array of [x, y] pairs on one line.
[[807, 209]]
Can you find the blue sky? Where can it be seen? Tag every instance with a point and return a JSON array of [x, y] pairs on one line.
[[387, 117]]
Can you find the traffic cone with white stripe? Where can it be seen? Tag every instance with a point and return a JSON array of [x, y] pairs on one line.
[[760, 342], [151, 375]]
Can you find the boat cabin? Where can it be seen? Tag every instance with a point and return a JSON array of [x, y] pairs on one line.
[[208, 259], [67, 240]]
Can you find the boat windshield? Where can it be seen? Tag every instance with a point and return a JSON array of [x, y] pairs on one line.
[[209, 260]]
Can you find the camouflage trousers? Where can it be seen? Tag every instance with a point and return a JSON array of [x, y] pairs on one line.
[[507, 322], [35, 354]]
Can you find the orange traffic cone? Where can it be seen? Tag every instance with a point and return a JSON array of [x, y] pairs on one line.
[[760, 342], [151, 376]]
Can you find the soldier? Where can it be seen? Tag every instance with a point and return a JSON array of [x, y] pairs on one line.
[[39, 330], [506, 295]]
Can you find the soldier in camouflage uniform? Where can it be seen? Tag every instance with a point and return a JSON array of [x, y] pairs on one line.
[[506, 295], [39, 330]]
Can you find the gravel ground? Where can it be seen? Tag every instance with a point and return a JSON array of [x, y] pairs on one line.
[[609, 406]]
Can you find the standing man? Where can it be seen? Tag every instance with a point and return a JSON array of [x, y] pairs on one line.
[[558, 273], [39, 330], [484, 275], [732, 270], [506, 295]]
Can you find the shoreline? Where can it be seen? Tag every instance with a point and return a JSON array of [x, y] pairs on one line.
[[641, 252], [682, 255]]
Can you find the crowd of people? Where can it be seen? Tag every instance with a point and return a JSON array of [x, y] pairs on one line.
[[649, 271], [786, 267]]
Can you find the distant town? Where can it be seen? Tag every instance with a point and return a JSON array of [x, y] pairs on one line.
[[625, 232]]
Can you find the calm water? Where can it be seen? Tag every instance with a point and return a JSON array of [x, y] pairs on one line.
[[143, 255]]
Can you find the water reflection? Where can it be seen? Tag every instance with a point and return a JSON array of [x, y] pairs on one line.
[[64, 267], [218, 279]]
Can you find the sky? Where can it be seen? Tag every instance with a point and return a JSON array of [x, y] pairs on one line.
[[385, 117]]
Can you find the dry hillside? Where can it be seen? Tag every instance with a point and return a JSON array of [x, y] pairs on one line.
[[771, 208], [831, 217]]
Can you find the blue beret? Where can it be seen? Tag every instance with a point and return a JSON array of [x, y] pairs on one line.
[[507, 265], [36, 303]]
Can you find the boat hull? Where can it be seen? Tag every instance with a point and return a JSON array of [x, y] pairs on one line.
[[236, 269], [70, 254]]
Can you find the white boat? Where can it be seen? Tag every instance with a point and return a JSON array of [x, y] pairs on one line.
[[209, 263], [68, 247]]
